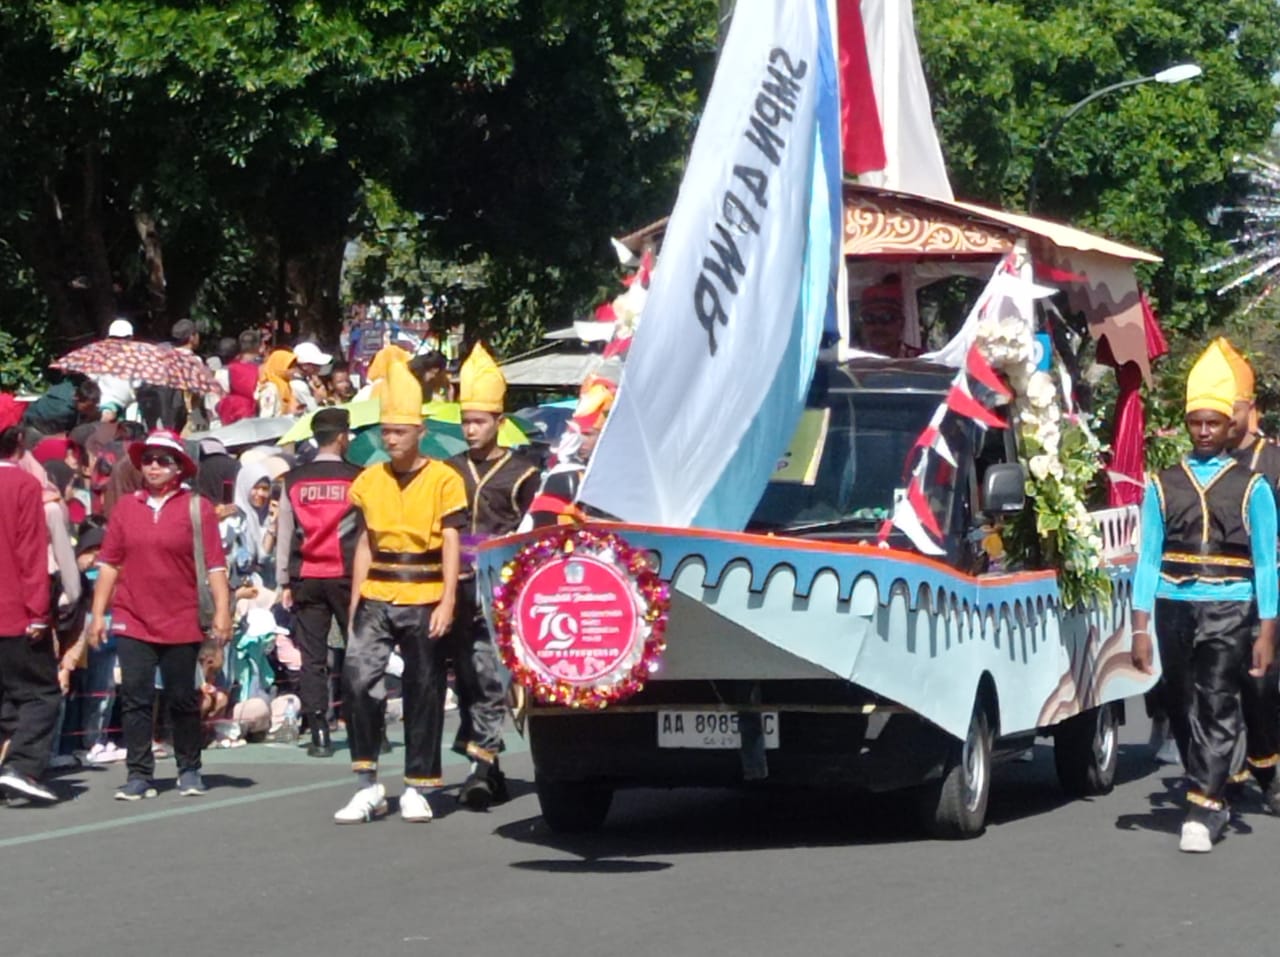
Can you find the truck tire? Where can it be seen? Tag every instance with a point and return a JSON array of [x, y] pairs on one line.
[[573, 807], [1085, 752], [955, 806]]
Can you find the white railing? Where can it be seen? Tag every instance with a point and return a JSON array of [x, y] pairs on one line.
[[1119, 528]]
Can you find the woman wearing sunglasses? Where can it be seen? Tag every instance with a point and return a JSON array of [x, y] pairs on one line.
[[147, 578]]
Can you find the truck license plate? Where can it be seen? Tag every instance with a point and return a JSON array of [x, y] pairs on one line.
[[710, 730]]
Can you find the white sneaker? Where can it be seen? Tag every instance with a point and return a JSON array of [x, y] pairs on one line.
[[108, 753], [414, 807], [1195, 838], [367, 804]]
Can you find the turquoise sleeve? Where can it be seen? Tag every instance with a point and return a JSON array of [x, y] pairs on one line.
[[1151, 551], [1262, 535]]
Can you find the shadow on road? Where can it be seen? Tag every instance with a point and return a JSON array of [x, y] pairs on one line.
[[1169, 809], [649, 823]]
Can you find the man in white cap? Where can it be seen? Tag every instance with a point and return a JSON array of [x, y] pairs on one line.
[[308, 390], [117, 394]]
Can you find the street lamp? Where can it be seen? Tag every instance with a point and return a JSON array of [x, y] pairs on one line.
[[1174, 74]]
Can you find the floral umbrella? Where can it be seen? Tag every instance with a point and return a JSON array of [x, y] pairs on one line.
[[141, 361]]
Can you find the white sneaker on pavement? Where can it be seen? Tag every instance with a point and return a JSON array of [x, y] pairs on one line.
[[1195, 838], [367, 804], [414, 807]]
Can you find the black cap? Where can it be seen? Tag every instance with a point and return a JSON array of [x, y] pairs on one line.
[[90, 538], [331, 420]]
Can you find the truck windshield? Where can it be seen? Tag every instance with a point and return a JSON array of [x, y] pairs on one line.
[[868, 438]]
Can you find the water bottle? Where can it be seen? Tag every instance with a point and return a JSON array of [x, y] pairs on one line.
[[289, 727]]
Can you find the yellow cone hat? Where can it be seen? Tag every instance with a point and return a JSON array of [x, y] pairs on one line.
[[1240, 368], [1211, 386], [481, 387], [401, 397], [385, 358]]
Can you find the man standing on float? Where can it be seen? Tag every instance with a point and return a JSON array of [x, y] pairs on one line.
[[500, 487], [404, 587], [1208, 548]]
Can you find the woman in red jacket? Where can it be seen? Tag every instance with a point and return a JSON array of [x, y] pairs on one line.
[[147, 578]]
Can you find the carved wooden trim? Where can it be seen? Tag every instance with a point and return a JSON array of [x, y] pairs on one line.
[[883, 225]]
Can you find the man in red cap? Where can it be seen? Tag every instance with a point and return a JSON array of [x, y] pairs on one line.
[[28, 666], [882, 319]]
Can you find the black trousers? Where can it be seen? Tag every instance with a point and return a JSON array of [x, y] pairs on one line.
[[316, 603], [180, 697], [481, 689], [377, 629], [1205, 649], [29, 686]]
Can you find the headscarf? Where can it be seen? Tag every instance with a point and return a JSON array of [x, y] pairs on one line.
[[252, 473], [213, 474], [276, 371]]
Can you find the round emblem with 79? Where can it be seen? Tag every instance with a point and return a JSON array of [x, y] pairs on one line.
[[579, 618]]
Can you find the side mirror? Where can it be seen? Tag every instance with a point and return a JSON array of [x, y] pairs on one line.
[[1004, 489]]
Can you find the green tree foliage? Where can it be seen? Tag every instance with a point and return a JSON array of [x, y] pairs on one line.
[[1146, 165], [215, 159]]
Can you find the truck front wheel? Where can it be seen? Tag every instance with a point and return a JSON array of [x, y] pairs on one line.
[[955, 807], [573, 807], [1085, 752]]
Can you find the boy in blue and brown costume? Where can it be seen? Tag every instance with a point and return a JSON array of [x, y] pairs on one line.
[[1258, 752], [1208, 550], [500, 485]]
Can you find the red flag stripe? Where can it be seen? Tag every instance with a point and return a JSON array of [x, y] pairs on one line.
[[920, 505], [978, 367], [861, 135], [964, 404]]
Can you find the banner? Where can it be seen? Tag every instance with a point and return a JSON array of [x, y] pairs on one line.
[[717, 374]]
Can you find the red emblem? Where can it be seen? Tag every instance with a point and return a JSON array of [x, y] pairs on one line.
[[579, 618]]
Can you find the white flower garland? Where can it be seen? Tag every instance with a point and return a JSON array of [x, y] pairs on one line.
[[1060, 453]]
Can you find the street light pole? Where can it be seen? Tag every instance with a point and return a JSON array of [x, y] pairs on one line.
[[1173, 74]]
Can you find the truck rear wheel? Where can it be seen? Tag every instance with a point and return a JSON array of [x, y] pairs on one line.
[[955, 807], [573, 807], [1085, 752]]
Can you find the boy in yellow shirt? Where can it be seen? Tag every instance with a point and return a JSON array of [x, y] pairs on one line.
[[403, 585]]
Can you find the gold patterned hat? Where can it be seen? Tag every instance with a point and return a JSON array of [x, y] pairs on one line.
[[1211, 386], [481, 387], [401, 397]]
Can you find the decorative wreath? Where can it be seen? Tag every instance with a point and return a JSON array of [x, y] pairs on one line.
[[651, 595]]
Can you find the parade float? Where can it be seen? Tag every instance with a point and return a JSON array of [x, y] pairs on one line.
[[911, 587]]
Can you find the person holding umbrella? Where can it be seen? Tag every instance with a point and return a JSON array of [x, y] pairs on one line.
[[147, 578]]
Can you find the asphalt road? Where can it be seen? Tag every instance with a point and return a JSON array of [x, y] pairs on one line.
[[256, 868]]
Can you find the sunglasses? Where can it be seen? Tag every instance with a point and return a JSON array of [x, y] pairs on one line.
[[881, 318], [159, 458]]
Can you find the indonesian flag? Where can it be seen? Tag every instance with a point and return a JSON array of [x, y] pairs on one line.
[[887, 128]]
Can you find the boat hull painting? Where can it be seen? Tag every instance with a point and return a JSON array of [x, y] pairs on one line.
[[905, 628]]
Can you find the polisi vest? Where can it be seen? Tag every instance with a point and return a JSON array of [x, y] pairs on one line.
[[1206, 528], [326, 527]]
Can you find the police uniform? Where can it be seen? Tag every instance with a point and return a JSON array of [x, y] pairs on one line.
[[318, 533], [405, 517], [1208, 546], [499, 491]]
